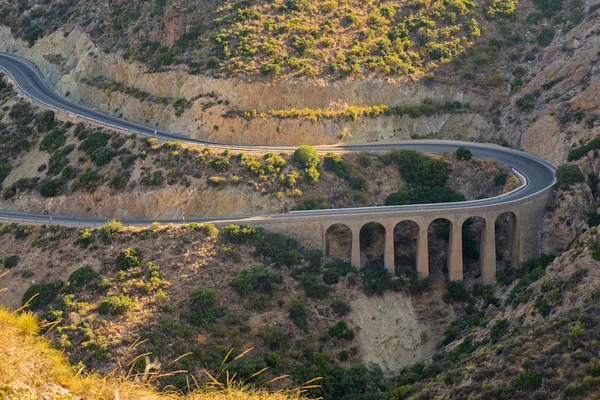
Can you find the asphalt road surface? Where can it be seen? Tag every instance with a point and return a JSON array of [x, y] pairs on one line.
[[536, 174]]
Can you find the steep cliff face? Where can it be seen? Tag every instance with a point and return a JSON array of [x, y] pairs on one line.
[[70, 59]]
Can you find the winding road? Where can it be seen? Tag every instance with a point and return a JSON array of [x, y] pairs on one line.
[[536, 174]]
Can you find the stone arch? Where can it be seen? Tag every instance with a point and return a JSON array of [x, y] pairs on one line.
[[406, 237], [507, 239], [338, 241], [372, 242], [473, 229], [438, 247]]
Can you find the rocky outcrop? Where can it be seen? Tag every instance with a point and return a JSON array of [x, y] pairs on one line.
[[568, 221]]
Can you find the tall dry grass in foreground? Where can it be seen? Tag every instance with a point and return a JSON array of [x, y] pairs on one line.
[[30, 368]]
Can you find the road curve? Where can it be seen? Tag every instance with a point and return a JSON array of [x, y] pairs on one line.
[[538, 174]]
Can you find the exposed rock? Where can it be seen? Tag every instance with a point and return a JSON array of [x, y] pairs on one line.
[[568, 220]]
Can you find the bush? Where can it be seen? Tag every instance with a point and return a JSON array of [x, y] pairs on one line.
[[500, 178], [276, 339], [423, 195], [336, 164], [419, 170], [341, 331], [109, 230], [46, 292], [311, 175], [340, 308], [546, 35], [498, 330], [297, 313], [258, 279], [53, 141], [4, 172], [128, 258], [578, 152], [116, 305], [568, 174], [279, 249], [207, 229], [528, 381], [306, 156], [375, 278], [358, 182], [456, 291], [46, 121], [83, 277], [241, 234], [203, 308], [548, 7], [11, 261], [49, 188], [463, 154]]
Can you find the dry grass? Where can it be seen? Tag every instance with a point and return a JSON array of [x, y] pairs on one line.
[[30, 368]]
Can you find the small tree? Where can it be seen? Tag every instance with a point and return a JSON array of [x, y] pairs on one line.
[[463, 154], [297, 313], [568, 174], [306, 156]]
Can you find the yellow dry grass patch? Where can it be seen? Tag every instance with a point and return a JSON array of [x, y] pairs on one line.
[[31, 369]]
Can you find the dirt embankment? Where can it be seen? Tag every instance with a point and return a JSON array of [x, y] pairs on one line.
[[70, 60]]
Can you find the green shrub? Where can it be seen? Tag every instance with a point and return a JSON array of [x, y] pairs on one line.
[[375, 278], [313, 289], [500, 178], [548, 7], [258, 279], [306, 156], [498, 330], [4, 172], [95, 141], [203, 308], [423, 195], [83, 277], [46, 121], [358, 182], [53, 141], [49, 188], [568, 174], [109, 230], [46, 293], [456, 291], [207, 229], [117, 305], [241, 234], [336, 164], [419, 170], [463, 154], [297, 313], [334, 269], [276, 339], [542, 306], [311, 175], [270, 69], [546, 35], [341, 331], [578, 152], [340, 308], [11, 261], [527, 381], [279, 249], [128, 258]]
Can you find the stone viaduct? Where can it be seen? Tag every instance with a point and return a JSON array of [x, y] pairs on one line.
[[525, 215]]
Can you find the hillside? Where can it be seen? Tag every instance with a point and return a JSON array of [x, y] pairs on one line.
[[49, 164], [33, 369], [293, 37]]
